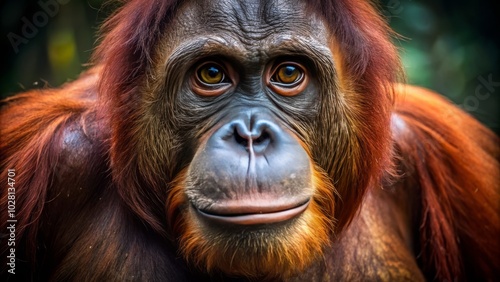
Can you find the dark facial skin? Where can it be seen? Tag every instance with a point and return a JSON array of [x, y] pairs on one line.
[[250, 167], [244, 84]]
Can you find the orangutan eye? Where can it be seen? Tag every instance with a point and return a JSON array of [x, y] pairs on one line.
[[211, 73], [212, 79], [288, 75], [288, 78]]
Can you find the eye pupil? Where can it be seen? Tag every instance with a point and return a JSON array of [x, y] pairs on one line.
[[289, 70], [213, 72]]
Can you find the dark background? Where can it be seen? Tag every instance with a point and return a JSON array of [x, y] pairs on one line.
[[449, 46]]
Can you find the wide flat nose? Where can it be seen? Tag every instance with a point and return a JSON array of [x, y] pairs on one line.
[[254, 133], [252, 170]]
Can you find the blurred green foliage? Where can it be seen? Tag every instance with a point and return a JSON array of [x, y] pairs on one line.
[[52, 51], [448, 46], [451, 47]]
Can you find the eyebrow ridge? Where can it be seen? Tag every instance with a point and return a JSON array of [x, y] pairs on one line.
[[204, 47]]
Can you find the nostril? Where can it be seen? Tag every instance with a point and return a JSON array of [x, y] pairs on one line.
[[262, 138], [239, 139]]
